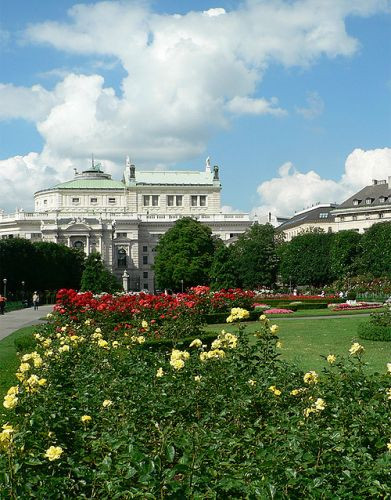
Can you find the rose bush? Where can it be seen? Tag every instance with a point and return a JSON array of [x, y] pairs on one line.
[[97, 415]]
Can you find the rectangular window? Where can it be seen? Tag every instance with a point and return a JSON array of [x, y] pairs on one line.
[[145, 259], [112, 201], [193, 200], [323, 215], [179, 200], [45, 202], [94, 200], [75, 200], [147, 200], [354, 217], [145, 248], [155, 200], [170, 200], [145, 275], [202, 201], [145, 286], [122, 235]]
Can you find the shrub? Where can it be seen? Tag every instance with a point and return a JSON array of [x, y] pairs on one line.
[[114, 419], [378, 327], [351, 295], [370, 331]]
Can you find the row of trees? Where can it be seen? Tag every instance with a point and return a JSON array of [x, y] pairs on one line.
[[40, 266], [188, 254]]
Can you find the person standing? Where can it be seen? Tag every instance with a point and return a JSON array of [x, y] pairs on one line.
[[35, 300], [2, 304]]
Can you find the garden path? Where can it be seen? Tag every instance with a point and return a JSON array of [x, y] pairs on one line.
[[11, 321]]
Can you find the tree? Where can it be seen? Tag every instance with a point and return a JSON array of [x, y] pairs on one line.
[[97, 278], [255, 256], [305, 260], [184, 252], [345, 251], [376, 250], [224, 273]]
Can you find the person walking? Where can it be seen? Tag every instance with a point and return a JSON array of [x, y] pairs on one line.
[[2, 303], [35, 300]]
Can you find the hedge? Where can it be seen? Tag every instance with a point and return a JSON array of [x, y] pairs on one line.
[[286, 302], [369, 331]]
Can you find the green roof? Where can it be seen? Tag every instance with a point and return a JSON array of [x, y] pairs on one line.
[[90, 184], [171, 177]]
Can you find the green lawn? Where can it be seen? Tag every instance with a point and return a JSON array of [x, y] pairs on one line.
[[9, 362], [309, 313], [304, 341]]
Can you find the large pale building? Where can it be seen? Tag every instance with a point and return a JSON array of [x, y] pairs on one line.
[[370, 205], [123, 220]]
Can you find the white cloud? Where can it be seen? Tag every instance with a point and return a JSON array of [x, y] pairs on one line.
[[186, 75], [32, 103], [314, 108], [294, 190], [247, 105]]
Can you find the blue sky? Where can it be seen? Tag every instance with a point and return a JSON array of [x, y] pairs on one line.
[[291, 99]]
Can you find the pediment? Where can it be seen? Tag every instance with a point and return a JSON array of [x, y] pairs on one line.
[[78, 226]]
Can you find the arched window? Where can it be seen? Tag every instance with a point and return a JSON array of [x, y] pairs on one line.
[[122, 257], [79, 245]]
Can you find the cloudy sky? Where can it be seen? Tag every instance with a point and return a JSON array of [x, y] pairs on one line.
[[290, 98]]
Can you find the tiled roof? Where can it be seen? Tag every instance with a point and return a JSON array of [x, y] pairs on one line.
[[374, 192], [309, 216]]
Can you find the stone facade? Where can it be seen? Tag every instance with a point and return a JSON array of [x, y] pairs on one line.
[[370, 205], [123, 220]]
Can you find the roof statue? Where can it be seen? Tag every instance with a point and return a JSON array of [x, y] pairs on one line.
[[207, 165]]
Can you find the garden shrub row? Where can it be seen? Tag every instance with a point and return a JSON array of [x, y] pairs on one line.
[[369, 331]]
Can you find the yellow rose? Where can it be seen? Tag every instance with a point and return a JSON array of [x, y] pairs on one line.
[[198, 378], [42, 382], [10, 401], [320, 404], [106, 403], [53, 453], [196, 343], [160, 373], [273, 329], [274, 390], [24, 367], [356, 349], [144, 324], [86, 418], [311, 377], [331, 359]]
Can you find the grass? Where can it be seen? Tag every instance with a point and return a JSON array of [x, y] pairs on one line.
[[9, 361], [310, 313], [304, 341]]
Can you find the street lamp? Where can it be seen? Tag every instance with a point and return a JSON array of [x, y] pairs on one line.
[[23, 283], [5, 287], [182, 285]]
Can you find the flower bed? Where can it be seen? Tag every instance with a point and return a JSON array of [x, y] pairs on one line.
[[357, 307], [278, 311], [91, 416]]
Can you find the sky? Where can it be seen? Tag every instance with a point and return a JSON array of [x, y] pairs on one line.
[[290, 98]]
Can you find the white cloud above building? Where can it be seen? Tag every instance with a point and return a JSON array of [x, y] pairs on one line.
[[185, 78]]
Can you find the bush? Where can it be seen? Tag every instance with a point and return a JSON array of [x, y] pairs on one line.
[[351, 295], [378, 327], [113, 419], [25, 343], [369, 331]]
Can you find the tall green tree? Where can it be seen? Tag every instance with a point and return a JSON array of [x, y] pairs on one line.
[[255, 256], [41, 266], [345, 251], [305, 260], [184, 252], [376, 250], [224, 272], [97, 278]]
